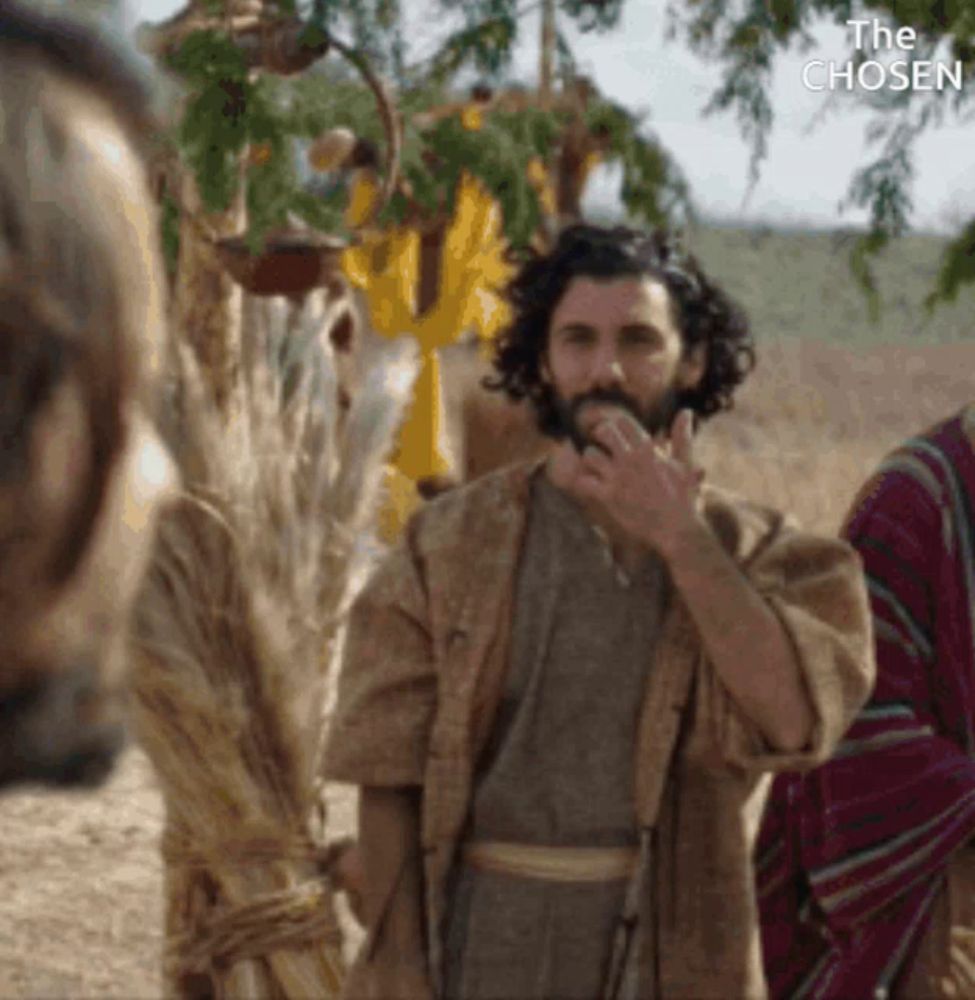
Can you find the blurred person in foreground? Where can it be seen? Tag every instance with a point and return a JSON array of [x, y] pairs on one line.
[[866, 866], [565, 688], [81, 323]]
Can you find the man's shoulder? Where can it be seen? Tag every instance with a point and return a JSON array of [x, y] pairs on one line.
[[476, 510], [741, 525], [922, 474], [953, 434], [771, 546]]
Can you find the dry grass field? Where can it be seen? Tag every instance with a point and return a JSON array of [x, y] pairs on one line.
[[816, 418], [80, 879]]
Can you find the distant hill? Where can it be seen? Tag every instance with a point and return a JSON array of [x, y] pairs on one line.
[[799, 284]]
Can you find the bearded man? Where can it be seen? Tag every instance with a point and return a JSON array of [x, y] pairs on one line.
[[565, 688], [867, 865]]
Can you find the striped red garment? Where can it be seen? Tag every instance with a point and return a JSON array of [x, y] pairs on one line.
[[851, 855]]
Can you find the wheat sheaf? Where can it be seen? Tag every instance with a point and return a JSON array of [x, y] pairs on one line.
[[238, 630]]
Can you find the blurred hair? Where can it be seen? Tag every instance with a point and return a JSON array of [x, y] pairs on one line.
[[706, 317], [83, 56], [79, 280]]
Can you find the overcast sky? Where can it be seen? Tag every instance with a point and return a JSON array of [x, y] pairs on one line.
[[813, 150]]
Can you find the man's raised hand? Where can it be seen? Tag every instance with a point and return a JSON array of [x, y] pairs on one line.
[[649, 487]]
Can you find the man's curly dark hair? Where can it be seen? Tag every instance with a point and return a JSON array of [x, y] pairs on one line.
[[704, 314]]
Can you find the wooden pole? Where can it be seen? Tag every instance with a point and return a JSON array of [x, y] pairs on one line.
[[207, 303], [547, 54], [207, 311]]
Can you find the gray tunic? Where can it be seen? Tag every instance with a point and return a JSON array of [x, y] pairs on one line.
[[558, 769]]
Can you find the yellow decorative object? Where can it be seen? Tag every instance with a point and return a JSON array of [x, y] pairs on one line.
[[542, 184], [401, 499], [364, 190], [472, 271], [422, 448], [472, 117]]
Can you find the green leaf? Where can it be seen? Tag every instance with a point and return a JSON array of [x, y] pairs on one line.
[[210, 139], [593, 15], [498, 155], [653, 190], [486, 45], [374, 28], [326, 214], [863, 250], [208, 55], [883, 186], [957, 268]]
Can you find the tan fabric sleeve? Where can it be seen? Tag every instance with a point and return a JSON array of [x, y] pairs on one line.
[[816, 588], [392, 963], [387, 686]]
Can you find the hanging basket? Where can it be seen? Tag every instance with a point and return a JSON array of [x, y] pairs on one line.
[[294, 262], [291, 263]]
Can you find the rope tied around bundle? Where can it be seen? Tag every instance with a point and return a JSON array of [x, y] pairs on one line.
[[293, 917]]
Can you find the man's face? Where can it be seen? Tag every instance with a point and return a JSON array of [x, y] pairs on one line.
[[613, 344]]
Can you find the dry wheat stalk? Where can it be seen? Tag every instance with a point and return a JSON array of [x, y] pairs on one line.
[[238, 625]]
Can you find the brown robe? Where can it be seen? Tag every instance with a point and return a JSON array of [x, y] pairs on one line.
[[426, 659], [582, 639]]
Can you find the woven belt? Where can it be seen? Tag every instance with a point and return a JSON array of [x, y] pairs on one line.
[[552, 864]]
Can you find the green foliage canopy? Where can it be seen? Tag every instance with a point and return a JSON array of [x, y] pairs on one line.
[[229, 108], [744, 37]]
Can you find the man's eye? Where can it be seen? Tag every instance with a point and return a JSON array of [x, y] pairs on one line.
[[640, 338], [578, 337]]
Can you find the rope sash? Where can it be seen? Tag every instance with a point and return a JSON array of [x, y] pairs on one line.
[[552, 864]]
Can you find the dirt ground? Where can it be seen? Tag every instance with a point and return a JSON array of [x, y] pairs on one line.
[[81, 889], [80, 876]]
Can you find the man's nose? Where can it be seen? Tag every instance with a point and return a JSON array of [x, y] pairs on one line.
[[608, 371]]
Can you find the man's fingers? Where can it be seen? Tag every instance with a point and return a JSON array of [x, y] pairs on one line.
[[611, 436], [632, 431], [682, 438], [596, 463]]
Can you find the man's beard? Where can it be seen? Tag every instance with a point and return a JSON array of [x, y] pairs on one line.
[[657, 418]]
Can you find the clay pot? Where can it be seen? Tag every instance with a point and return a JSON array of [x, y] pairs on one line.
[[291, 263]]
